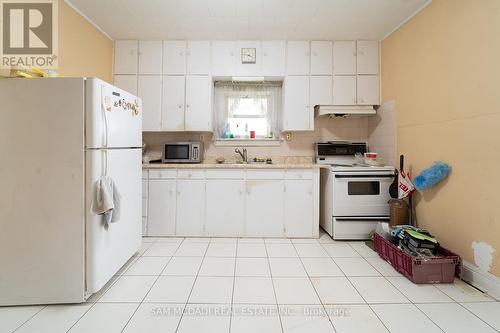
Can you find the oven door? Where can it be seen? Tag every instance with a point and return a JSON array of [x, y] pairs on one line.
[[361, 193], [177, 153]]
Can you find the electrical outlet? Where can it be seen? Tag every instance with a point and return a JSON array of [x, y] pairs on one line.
[[288, 136]]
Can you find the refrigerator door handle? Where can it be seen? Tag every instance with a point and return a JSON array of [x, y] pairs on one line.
[[105, 117]]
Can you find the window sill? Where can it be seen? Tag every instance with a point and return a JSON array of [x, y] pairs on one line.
[[247, 142]]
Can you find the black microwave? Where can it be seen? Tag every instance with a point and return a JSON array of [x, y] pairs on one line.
[[182, 152]]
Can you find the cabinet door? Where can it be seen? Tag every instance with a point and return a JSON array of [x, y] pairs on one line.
[[149, 89], [299, 211], [264, 211], [174, 57], [368, 90], [126, 82], [223, 58], [344, 58], [273, 58], [344, 90], [321, 58], [198, 103], [225, 207], [296, 112], [297, 58], [172, 116], [198, 57], [190, 219], [161, 215], [321, 91], [249, 69], [367, 60], [150, 58], [126, 57]]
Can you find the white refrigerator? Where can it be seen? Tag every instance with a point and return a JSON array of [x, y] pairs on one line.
[[58, 136]]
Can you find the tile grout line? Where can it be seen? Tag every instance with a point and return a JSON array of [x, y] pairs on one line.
[[152, 285], [234, 286], [312, 284], [274, 288], [192, 287], [460, 304], [105, 291], [31, 317]]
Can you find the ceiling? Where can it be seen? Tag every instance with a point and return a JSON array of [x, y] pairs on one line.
[[248, 19]]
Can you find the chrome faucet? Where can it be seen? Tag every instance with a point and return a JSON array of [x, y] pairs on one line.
[[243, 154]]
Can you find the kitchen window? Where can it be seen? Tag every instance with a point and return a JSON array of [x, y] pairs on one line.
[[247, 111]]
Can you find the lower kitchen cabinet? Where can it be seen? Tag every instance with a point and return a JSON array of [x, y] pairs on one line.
[[233, 203], [162, 205], [225, 207], [264, 208], [299, 212], [190, 217]]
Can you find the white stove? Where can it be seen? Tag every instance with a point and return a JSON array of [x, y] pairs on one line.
[[354, 196]]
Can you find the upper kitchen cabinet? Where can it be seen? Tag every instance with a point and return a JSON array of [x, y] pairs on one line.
[[321, 90], [297, 114], [367, 57], [321, 58], [198, 103], [198, 57], [126, 57], [344, 57], [172, 109], [150, 57], [149, 89], [126, 82], [297, 58], [174, 57], [273, 58], [368, 90], [344, 90], [223, 58], [249, 58]]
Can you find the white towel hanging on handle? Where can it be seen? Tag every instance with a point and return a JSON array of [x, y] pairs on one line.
[[107, 200]]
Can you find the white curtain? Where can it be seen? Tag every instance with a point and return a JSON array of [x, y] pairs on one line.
[[253, 101]]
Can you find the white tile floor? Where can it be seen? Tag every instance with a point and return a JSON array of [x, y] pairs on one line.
[[233, 285]]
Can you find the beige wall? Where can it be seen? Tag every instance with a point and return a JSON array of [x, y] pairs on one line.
[[443, 70], [83, 50]]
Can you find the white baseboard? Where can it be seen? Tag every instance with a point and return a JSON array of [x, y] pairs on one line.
[[484, 281]]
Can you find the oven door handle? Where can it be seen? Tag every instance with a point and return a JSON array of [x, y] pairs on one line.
[[364, 176]]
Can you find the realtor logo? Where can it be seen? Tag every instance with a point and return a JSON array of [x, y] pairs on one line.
[[28, 33]]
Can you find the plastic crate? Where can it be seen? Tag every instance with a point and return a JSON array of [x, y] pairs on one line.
[[434, 270]]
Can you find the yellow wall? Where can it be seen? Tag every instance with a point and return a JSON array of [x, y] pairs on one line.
[[83, 50], [443, 70]]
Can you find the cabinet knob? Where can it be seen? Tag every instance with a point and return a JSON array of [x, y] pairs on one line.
[[187, 105], [180, 106]]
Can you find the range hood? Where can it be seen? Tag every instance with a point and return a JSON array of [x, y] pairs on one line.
[[334, 111]]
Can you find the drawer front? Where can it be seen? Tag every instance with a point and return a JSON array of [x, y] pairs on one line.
[[299, 174], [191, 174], [144, 207], [265, 174], [163, 174], [225, 174], [144, 174]]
